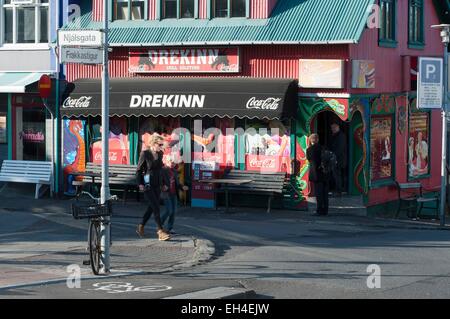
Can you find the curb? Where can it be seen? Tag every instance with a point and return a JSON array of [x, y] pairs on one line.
[[217, 293]]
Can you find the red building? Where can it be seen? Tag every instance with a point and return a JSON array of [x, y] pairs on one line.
[[351, 61]]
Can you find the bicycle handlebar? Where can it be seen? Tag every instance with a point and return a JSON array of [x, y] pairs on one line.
[[97, 199]]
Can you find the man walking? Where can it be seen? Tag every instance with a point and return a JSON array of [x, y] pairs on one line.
[[338, 146], [316, 175]]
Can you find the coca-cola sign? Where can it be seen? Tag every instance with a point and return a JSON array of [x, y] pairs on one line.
[[271, 103], [262, 163], [113, 157], [81, 102]]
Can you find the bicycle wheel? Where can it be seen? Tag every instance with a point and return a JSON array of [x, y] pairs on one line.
[[95, 246]]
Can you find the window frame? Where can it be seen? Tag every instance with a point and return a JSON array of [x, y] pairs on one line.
[[37, 44], [212, 10], [414, 43], [178, 14], [384, 41], [129, 11]]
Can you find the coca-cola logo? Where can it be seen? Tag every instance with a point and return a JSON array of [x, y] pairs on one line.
[[82, 102], [266, 163], [271, 103], [112, 156]]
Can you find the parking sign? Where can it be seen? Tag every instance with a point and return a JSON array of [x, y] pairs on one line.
[[430, 83]]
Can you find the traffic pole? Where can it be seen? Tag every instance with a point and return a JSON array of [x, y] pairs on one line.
[[444, 129], [105, 191], [445, 35]]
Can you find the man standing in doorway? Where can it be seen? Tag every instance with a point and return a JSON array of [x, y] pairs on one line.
[[338, 146], [316, 175]]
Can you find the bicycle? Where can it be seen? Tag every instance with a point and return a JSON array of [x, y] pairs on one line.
[[96, 213]]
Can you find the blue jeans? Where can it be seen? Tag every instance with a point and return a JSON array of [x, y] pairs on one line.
[[170, 204]]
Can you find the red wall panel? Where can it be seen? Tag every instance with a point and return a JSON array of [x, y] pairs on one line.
[[388, 61], [256, 61]]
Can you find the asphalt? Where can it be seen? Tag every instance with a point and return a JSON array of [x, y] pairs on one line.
[[39, 240]]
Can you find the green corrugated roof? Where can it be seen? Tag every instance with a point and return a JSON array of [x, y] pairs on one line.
[[291, 21]]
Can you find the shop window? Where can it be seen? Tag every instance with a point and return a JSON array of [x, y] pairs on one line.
[[25, 23], [267, 146], [230, 8], [416, 24], [129, 9], [165, 126], [387, 33], [119, 150], [212, 142], [381, 152], [31, 134], [418, 145], [178, 9]]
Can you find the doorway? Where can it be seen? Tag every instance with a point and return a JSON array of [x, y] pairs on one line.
[[323, 123]]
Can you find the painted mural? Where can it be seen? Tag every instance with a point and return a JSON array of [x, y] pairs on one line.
[[359, 117], [354, 111], [418, 145], [74, 150]]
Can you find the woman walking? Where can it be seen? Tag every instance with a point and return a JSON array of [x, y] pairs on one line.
[[148, 177]]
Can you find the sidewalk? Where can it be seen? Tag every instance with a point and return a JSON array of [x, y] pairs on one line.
[[39, 239]]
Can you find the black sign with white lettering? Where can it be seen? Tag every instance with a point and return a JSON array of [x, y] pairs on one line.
[[231, 97]]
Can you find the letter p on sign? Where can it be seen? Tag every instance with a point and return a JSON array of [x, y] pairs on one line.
[[431, 70]]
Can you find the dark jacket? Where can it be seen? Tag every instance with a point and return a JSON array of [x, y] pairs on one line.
[[165, 173], [314, 156], [147, 164], [338, 146]]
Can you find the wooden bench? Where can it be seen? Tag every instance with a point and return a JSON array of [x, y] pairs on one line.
[[412, 195], [31, 172], [261, 184], [126, 177]]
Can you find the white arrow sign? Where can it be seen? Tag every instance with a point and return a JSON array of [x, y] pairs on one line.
[[87, 38]]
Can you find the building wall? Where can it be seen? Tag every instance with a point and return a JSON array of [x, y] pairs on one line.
[[390, 75], [256, 61], [393, 69], [259, 9]]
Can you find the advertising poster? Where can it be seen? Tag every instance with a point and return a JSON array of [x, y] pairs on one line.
[[321, 74], [363, 76], [119, 149], [214, 145], [418, 145], [2, 129], [268, 147], [182, 60], [381, 147]]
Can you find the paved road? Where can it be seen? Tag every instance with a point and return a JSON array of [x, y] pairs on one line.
[[287, 255]]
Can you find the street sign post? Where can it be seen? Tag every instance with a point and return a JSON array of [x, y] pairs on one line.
[[430, 83], [45, 86], [81, 55], [85, 38]]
